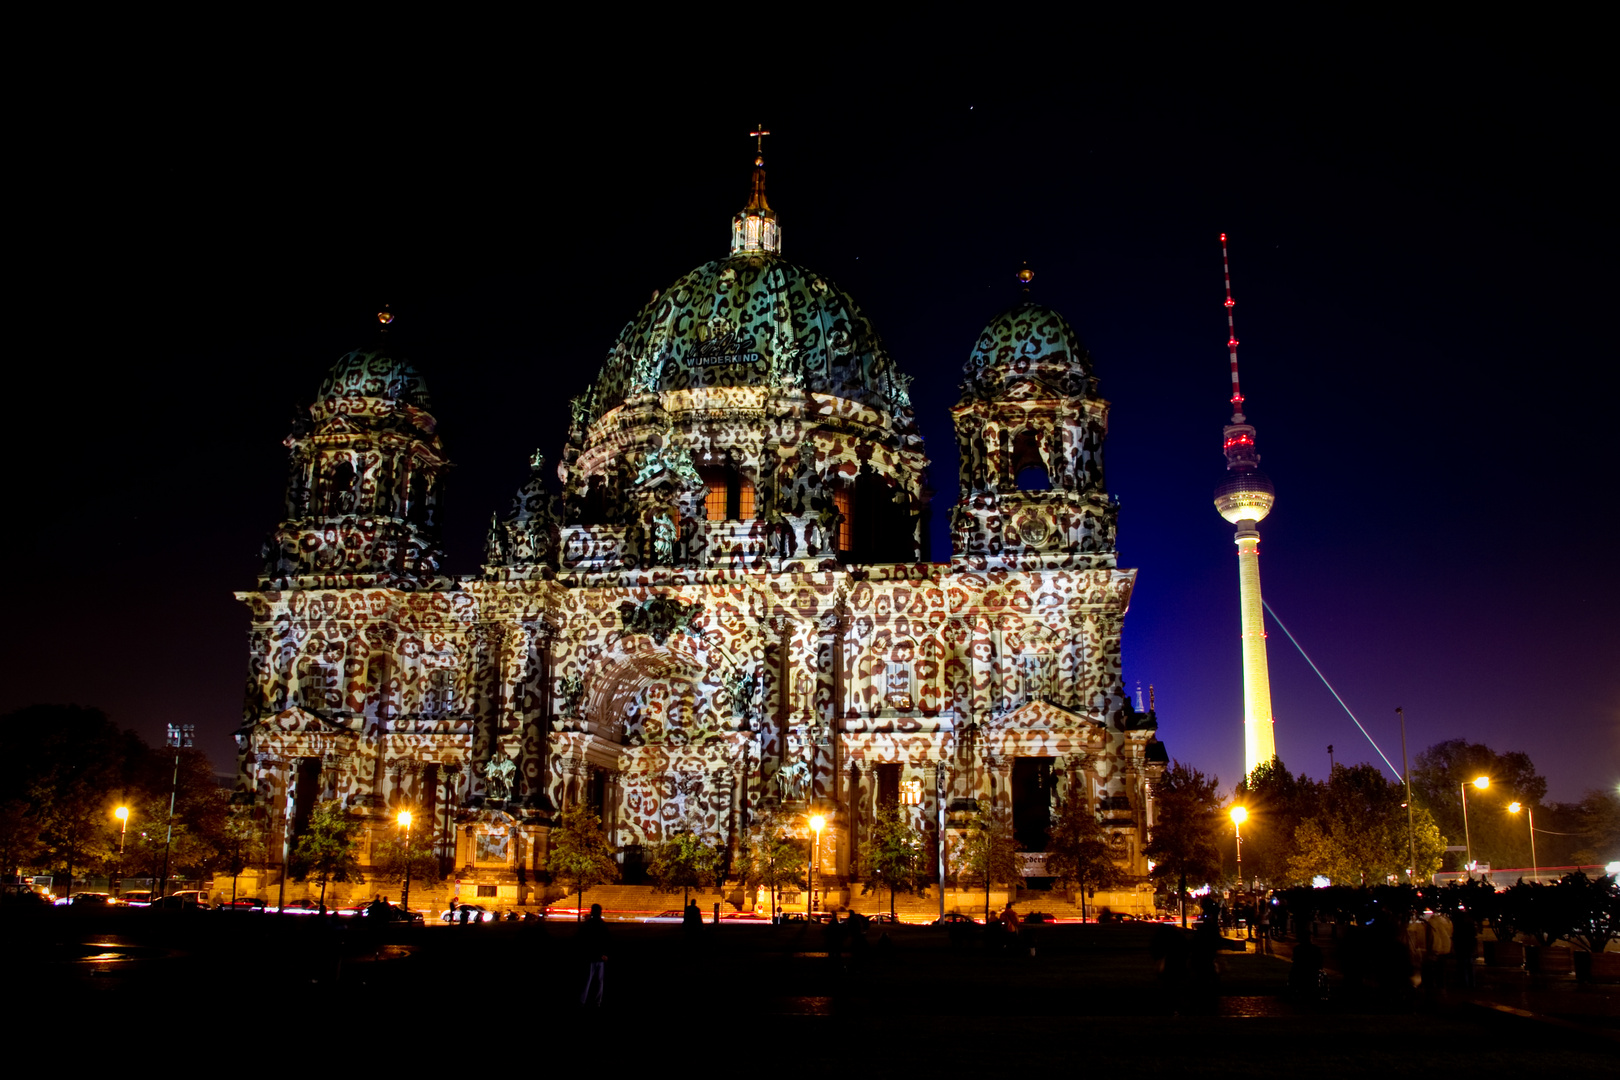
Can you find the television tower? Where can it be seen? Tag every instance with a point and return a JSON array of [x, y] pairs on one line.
[[1244, 498]]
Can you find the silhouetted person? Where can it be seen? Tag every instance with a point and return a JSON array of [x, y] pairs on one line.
[[1464, 939], [592, 941], [1168, 947], [692, 920]]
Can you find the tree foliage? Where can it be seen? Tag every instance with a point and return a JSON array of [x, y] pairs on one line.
[[63, 771], [1277, 803], [1187, 815], [407, 848], [684, 862], [1078, 854], [894, 854], [327, 847], [1358, 836], [988, 852], [581, 852], [770, 856], [1496, 836]]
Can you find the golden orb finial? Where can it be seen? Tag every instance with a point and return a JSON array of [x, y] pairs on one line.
[[385, 316], [1026, 275]]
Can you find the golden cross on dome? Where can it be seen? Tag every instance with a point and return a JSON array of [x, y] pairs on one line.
[[759, 139]]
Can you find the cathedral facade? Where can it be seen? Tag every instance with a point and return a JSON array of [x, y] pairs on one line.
[[727, 614]]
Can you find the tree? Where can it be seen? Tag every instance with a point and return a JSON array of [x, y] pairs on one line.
[[406, 849], [683, 862], [893, 854], [1277, 803], [989, 852], [327, 846], [771, 858], [1359, 835], [1186, 816], [1497, 837], [1078, 854], [581, 852], [1584, 833]]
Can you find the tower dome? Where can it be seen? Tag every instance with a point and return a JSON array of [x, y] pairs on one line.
[[747, 415], [1029, 342], [752, 319], [375, 374]]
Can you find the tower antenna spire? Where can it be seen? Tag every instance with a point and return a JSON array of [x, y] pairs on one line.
[[1231, 336], [1244, 498]]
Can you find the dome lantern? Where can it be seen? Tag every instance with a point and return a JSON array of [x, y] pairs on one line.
[[755, 230]]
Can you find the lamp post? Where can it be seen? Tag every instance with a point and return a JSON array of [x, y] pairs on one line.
[[1481, 782], [181, 736], [1535, 864], [1239, 815], [816, 823], [122, 814], [1411, 842], [405, 894]]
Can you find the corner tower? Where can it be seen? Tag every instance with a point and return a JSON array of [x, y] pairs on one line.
[[364, 475], [1244, 498], [1030, 427]]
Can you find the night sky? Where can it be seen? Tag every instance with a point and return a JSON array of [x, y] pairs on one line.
[[1422, 254]]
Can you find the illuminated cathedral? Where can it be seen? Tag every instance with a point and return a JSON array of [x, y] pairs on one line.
[[726, 616]]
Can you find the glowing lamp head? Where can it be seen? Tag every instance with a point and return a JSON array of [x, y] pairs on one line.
[[1514, 807], [817, 822], [405, 818], [122, 813], [1239, 815], [1482, 782]]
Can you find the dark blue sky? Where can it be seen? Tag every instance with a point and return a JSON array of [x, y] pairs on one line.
[[1419, 253]]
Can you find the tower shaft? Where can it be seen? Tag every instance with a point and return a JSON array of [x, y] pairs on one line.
[[1259, 744]]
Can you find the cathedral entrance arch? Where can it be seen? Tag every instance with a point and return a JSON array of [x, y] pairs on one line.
[[1032, 783]]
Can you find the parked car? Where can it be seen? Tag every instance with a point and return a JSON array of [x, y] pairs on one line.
[[1033, 917], [243, 903], [89, 899], [951, 918], [177, 902], [137, 897], [664, 917], [477, 913]]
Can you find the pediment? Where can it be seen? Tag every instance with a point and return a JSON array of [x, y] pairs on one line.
[[1040, 714], [299, 719]]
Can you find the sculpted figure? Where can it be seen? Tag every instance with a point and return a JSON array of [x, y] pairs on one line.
[[498, 773]]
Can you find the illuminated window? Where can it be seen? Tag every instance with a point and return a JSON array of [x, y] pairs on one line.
[[714, 500], [897, 687], [745, 501], [911, 793], [846, 531], [441, 694]]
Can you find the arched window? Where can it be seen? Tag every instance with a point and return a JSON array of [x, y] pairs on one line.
[[727, 495], [1028, 466], [846, 525], [416, 509], [340, 498]]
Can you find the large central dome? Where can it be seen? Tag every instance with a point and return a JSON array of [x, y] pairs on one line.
[[750, 320]]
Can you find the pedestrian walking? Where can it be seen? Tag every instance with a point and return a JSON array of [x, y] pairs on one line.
[[592, 941]]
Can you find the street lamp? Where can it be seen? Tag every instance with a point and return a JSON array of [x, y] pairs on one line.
[[122, 814], [1535, 864], [1481, 782], [1239, 815], [405, 895], [816, 823]]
